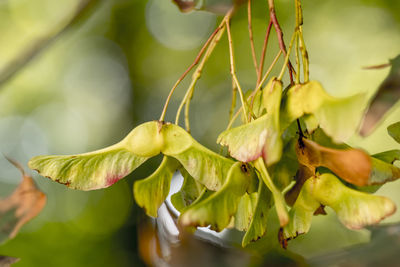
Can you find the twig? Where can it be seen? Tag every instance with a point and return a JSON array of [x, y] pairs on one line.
[[377, 67]]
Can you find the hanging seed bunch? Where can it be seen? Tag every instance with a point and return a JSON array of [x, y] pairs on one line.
[[292, 139]]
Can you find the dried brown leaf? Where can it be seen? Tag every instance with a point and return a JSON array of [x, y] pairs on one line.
[[6, 261], [24, 203]]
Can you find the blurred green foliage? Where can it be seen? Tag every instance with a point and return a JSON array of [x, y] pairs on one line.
[[113, 68]]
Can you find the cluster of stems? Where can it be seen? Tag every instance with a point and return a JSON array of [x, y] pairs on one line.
[[209, 46]]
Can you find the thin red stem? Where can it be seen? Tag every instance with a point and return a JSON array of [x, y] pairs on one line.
[[195, 62], [264, 51], [279, 34]]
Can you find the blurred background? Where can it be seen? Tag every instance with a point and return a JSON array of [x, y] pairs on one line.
[[78, 75]]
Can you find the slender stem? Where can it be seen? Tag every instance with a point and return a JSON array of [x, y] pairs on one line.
[[197, 74], [279, 34], [303, 50], [259, 86], [187, 109], [184, 99], [299, 15], [301, 134], [269, 70], [233, 119], [253, 50], [233, 70], [276, 194], [287, 56], [233, 104], [195, 62], [304, 54], [297, 60], [264, 51]]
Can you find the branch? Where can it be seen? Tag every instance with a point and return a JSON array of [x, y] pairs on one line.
[[18, 63]]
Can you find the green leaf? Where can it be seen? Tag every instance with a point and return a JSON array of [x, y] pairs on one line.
[[151, 192], [190, 191], [354, 209], [394, 131], [89, 171], [338, 117], [258, 224], [218, 209], [260, 137]]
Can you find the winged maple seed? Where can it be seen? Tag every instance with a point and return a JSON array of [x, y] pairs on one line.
[[25, 203], [352, 165]]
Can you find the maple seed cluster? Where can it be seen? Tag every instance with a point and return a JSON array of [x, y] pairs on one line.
[[292, 140], [218, 190]]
